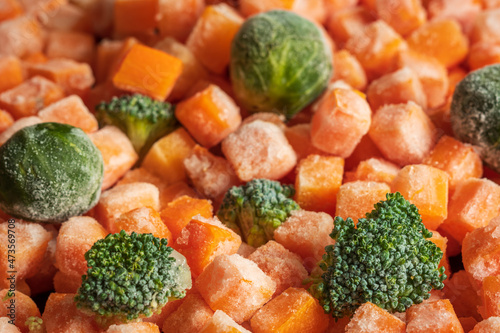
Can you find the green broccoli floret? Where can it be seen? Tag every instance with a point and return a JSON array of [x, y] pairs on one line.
[[385, 259], [257, 208], [141, 118], [131, 276], [35, 325]]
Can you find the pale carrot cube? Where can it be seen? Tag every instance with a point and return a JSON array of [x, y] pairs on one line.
[[117, 152], [77, 46], [133, 16], [66, 283], [7, 327], [202, 240], [134, 328], [124, 198], [486, 27], [73, 77], [295, 310], [334, 5], [159, 318], [222, 323], [376, 170], [490, 294], [16, 126], [397, 87], [41, 8], [75, 238], [348, 69], [211, 175], [209, 116], [10, 9], [21, 36], [490, 325], [464, 12], [355, 199], [190, 316], [442, 243], [364, 150], [347, 22], [143, 220], [11, 72], [403, 133], [62, 316], [148, 71], [314, 10], [192, 69], [299, 137], [166, 156], [30, 96], [442, 39], [370, 318], [377, 48], [281, 265], [211, 37], [403, 16], [106, 53], [6, 121], [483, 54], [24, 307], [473, 205], [437, 316], [72, 111], [276, 119], [42, 281], [342, 119], [71, 17], [259, 150], [236, 286], [427, 188], [306, 234], [177, 18]]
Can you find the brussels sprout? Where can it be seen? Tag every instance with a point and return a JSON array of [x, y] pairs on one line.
[[280, 62], [49, 172]]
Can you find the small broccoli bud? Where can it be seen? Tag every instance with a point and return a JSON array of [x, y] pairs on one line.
[[256, 209], [141, 118], [35, 325], [385, 259], [131, 276]]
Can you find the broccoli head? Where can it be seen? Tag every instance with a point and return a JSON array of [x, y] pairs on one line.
[[131, 276], [257, 208], [385, 259], [141, 118]]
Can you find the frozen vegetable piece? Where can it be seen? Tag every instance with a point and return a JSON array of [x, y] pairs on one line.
[[236, 286], [10, 9], [464, 12], [10, 71], [483, 54], [403, 16], [347, 22], [177, 19], [462, 295], [348, 69], [24, 307], [442, 243], [355, 199], [143, 220], [435, 316], [376, 170], [72, 17], [299, 137], [21, 36], [158, 318], [191, 316], [77, 46], [17, 126], [66, 283], [134, 16], [71, 111], [134, 328], [7, 327], [222, 323], [491, 297], [490, 325], [371, 318], [365, 149], [311, 9], [485, 28], [6, 122]]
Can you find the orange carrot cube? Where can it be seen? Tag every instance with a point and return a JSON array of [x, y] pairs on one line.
[[134, 328], [347, 22], [491, 297], [222, 323], [10, 9], [209, 116], [134, 16], [148, 71], [16, 126], [11, 72], [143, 220], [299, 137], [459, 160], [77, 46], [490, 325], [318, 181], [348, 69], [355, 199], [397, 87], [376, 170], [295, 310], [464, 12], [66, 283], [377, 48], [403, 16], [236, 286], [36, 94], [175, 191], [166, 156], [483, 54], [170, 307], [371, 318], [122, 199], [21, 36], [442, 243], [459, 290], [364, 150], [72, 111], [6, 121], [390, 127], [334, 5], [442, 39], [202, 240], [191, 316], [455, 75], [485, 28], [178, 18], [427, 188], [24, 307], [314, 10], [439, 315], [71, 17], [106, 54], [210, 40], [117, 152]]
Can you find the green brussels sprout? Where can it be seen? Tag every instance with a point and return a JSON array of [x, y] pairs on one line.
[[49, 172], [280, 62], [475, 113]]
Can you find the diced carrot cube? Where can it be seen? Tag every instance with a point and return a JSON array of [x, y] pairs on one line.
[[355, 199], [295, 310], [166, 156], [148, 71], [133, 16], [11, 72], [376, 170], [440, 313], [24, 307], [209, 116], [490, 4], [490, 325], [10, 9], [202, 240], [20, 37], [483, 54], [455, 75], [102, 92], [71, 17], [299, 137], [178, 18], [191, 316], [464, 12], [473, 204], [318, 181], [364, 150], [126, 46], [335, 5], [73, 77], [143, 220], [486, 28], [42, 9], [122, 199], [77, 46], [170, 307], [134, 328], [222, 323], [72, 111], [442, 243], [117, 152], [442, 39], [377, 48], [306, 234], [7, 327], [370, 318], [210, 40], [236, 286], [491, 297], [61, 316], [175, 191], [106, 54], [459, 290], [397, 87], [16, 126], [252, 7], [6, 121], [403, 16], [390, 130], [348, 69], [30, 96], [347, 22], [66, 283], [427, 188], [459, 160]]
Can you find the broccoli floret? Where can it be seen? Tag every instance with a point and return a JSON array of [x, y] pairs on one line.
[[257, 208], [141, 118], [385, 259], [131, 276], [35, 325]]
